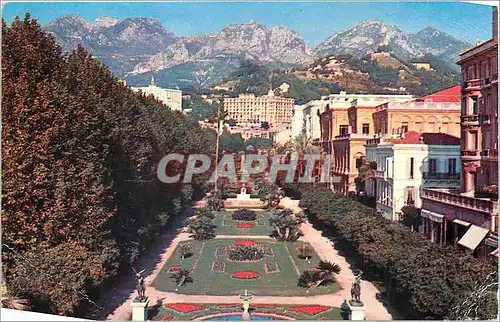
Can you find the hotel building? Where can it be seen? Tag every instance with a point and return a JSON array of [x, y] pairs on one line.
[[247, 108], [170, 97], [469, 217]]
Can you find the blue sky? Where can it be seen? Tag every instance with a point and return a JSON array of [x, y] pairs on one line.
[[314, 21]]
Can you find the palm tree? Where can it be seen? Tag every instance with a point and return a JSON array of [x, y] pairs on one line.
[[10, 302], [285, 224], [185, 250], [322, 275], [181, 276], [303, 145]]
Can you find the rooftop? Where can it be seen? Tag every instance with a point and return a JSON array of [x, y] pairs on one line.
[[413, 137], [451, 94]]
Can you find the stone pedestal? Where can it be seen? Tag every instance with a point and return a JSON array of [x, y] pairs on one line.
[[246, 315], [140, 310], [356, 312]]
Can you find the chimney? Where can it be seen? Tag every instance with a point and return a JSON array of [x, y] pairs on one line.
[[494, 28]]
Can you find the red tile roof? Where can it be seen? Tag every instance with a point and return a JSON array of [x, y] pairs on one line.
[[451, 94], [413, 137]]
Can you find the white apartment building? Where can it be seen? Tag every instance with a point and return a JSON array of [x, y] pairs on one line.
[[306, 119], [408, 164], [170, 97]]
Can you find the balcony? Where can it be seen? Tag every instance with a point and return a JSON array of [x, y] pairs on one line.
[[456, 199], [441, 176], [470, 154], [472, 85], [470, 119]]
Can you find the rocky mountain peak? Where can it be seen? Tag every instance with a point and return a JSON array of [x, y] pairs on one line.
[[104, 22]]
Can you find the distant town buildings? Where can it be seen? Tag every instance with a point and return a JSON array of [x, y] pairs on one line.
[[407, 163], [170, 97], [247, 108], [422, 65], [468, 217]]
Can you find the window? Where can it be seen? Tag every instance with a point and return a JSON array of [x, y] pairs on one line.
[[343, 129], [358, 163], [418, 126], [366, 128], [488, 104], [410, 196], [475, 145], [474, 105], [412, 162], [452, 166], [404, 127], [432, 166]]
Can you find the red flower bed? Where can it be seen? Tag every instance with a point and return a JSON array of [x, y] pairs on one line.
[[244, 225], [174, 268], [245, 275], [184, 307], [310, 309], [244, 243]]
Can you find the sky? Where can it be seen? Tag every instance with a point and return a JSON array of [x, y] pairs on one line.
[[314, 21]]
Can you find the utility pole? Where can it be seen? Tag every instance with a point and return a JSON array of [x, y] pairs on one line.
[[217, 146]]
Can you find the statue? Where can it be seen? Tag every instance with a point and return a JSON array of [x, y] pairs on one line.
[[356, 290], [140, 285]]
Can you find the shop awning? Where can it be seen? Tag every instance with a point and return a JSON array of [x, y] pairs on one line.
[[432, 215], [461, 222], [473, 237]]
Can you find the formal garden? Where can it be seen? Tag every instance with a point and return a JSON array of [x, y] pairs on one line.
[[228, 224]]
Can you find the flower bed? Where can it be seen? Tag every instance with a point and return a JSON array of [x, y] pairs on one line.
[[245, 254], [268, 251], [174, 268], [305, 251], [271, 267], [184, 307], [244, 243], [245, 225], [245, 275], [218, 266], [244, 215], [310, 309]]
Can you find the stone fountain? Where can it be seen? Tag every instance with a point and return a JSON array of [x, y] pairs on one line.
[[246, 305], [243, 200]]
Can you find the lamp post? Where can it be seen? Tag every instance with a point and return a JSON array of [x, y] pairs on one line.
[[246, 305]]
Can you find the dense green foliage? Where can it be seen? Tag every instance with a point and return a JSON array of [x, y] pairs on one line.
[[322, 275], [422, 279], [286, 225], [245, 253], [244, 214], [80, 194]]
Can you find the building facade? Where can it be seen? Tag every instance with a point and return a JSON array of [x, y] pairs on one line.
[[438, 112], [468, 217], [247, 108], [345, 125], [170, 97], [407, 164]]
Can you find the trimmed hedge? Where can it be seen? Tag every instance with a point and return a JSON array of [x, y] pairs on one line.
[[423, 280]]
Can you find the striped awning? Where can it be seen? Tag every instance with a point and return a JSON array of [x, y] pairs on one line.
[[473, 237], [432, 215]]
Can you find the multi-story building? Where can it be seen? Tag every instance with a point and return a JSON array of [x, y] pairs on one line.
[[469, 216], [338, 119], [346, 124], [406, 164], [247, 108], [170, 97], [438, 112], [306, 119]]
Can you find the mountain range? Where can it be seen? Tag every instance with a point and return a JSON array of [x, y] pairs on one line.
[[134, 48]]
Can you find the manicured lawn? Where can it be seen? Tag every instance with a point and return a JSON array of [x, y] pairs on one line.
[[168, 312], [227, 226], [209, 282]]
